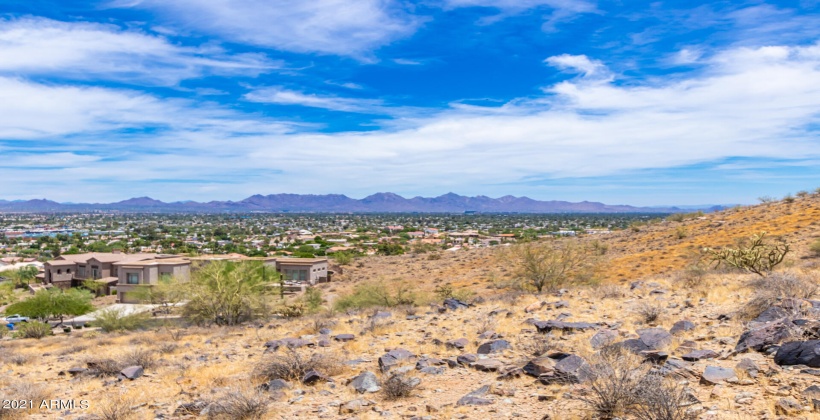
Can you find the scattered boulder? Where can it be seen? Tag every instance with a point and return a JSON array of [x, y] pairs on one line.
[[681, 326], [365, 382], [455, 304], [495, 346], [76, 371], [131, 372], [381, 314], [344, 337], [353, 406], [771, 314], [539, 366], [487, 365], [476, 397], [459, 343], [466, 358], [714, 375], [799, 353], [655, 338], [275, 385], [190, 409], [570, 369], [603, 338], [487, 335], [393, 358], [764, 337], [699, 355], [748, 366], [312, 376], [787, 407], [547, 326], [429, 361]]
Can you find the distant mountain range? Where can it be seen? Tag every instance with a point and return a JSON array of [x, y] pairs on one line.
[[337, 203]]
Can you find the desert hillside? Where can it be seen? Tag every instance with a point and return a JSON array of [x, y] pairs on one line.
[[650, 338]]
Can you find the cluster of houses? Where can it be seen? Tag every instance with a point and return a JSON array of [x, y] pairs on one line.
[[120, 273]]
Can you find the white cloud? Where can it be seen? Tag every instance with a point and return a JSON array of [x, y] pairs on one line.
[[353, 28], [279, 95], [591, 69], [85, 50], [758, 103]]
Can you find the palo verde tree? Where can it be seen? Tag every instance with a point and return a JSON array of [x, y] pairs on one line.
[[23, 276], [227, 293], [756, 256], [549, 265], [167, 293], [53, 303]]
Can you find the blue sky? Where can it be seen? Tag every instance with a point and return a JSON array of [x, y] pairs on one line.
[[646, 103]]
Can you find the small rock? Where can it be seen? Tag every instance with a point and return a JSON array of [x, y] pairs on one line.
[[365, 382], [495, 346], [681, 326], [132, 372], [714, 375], [787, 407], [699, 355]]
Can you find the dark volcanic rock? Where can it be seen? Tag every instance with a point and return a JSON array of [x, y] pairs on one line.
[[764, 337], [655, 338], [539, 366], [682, 326], [345, 337], [312, 376], [699, 355], [570, 369], [132, 372], [494, 346], [467, 358], [459, 343], [393, 357], [476, 397], [454, 304], [487, 365], [714, 375], [365, 382], [799, 353], [275, 385], [603, 338], [547, 326]]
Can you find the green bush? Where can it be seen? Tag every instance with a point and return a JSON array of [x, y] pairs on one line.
[[343, 258], [33, 329], [367, 295], [313, 299], [116, 320]]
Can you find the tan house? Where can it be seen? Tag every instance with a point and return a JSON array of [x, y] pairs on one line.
[[301, 270], [72, 270], [134, 274]]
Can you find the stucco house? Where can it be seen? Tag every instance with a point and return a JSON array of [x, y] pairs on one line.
[[134, 274]]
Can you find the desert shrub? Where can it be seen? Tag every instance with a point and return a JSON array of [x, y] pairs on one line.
[[693, 276], [139, 357], [788, 199], [103, 367], [117, 320], [434, 256], [802, 193], [320, 323], [239, 404], [292, 365], [19, 359], [775, 288], [681, 232], [614, 376], [398, 386], [313, 299], [649, 312], [343, 258], [27, 391], [227, 293], [662, 399], [33, 329], [291, 309], [367, 295], [609, 291], [446, 291], [815, 247], [548, 266], [167, 348], [116, 408], [533, 345]]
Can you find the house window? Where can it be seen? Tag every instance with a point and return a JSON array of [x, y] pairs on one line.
[[68, 271], [296, 275], [95, 272], [132, 278], [81, 271], [59, 271]]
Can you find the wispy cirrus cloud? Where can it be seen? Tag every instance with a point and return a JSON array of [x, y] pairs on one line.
[[323, 26], [282, 96], [560, 10], [92, 51]]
